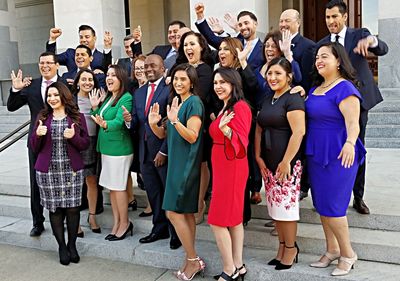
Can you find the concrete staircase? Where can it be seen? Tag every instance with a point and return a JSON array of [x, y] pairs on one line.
[[383, 130], [12, 120], [375, 237]]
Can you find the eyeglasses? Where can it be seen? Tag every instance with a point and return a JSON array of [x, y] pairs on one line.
[[46, 63]]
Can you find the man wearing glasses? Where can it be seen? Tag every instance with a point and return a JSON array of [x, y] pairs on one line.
[[32, 92]]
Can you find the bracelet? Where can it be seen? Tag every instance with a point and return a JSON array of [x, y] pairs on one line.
[[175, 122], [350, 142]]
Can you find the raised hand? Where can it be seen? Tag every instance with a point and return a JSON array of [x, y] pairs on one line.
[[137, 34], [199, 10], [231, 21], [55, 33], [99, 121], [27, 81], [363, 45], [225, 119], [285, 44], [215, 25], [95, 98], [107, 40], [17, 82], [69, 133], [126, 114], [154, 114], [172, 111], [41, 130], [242, 55], [98, 71]]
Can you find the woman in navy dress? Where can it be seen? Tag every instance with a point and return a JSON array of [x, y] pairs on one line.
[[333, 150]]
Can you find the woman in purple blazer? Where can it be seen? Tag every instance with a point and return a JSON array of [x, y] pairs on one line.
[[60, 134]]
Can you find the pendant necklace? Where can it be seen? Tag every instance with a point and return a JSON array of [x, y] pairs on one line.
[[330, 84]]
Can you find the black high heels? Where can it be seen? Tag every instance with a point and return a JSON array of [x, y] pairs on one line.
[[109, 236], [95, 230], [241, 275], [281, 266], [122, 237], [275, 262], [133, 205]]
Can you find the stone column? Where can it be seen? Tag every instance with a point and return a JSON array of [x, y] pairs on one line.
[[219, 8], [8, 46], [389, 66], [102, 15]]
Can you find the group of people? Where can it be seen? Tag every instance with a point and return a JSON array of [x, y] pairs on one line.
[[284, 111]]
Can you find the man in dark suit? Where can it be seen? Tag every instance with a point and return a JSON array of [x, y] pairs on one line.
[[32, 93], [87, 37], [165, 51], [83, 58], [357, 42], [132, 49], [152, 150], [247, 24]]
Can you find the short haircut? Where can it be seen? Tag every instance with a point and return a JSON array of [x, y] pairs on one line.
[[177, 22], [129, 37], [275, 35], [88, 51], [87, 27], [337, 3], [45, 54], [247, 13]]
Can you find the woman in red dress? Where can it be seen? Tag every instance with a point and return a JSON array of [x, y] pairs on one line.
[[230, 132]]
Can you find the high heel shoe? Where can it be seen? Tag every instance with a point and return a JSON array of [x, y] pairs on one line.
[[329, 256], [80, 234], [95, 230], [109, 236], [234, 275], [241, 275], [350, 265], [281, 266], [183, 276], [122, 237], [275, 261], [133, 205]]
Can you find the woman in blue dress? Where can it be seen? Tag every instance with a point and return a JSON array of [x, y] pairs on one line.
[[333, 150]]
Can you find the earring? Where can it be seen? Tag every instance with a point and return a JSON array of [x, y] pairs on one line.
[[338, 66]]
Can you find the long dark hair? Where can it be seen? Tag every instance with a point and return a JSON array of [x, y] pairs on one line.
[[122, 77], [205, 55], [346, 70], [233, 44], [191, 73], [67, 100], [75, 86], [231, 76]]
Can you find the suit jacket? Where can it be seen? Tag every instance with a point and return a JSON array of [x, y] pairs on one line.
[[368, 88], [115, 140], [43, 145], [31, 96], [148, 141], [303, 53], [255, 59], [67, 58], [101, 77], [162, 51]]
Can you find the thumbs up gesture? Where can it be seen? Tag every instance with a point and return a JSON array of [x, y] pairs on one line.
[[41, 130], [69, 133], [126, 114]]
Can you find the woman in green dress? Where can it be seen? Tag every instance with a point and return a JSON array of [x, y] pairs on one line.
[[184, 135]]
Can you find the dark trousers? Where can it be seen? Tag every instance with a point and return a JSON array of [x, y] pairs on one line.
[[154, 179], [36, 208], [358, 189]]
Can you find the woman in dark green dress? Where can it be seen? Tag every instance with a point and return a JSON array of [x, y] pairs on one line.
[[184, 134]]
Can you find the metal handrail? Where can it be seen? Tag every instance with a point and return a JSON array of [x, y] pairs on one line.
[[14, 140]]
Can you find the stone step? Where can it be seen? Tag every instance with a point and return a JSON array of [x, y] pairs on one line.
[[382, 142], [390, 93], [15, 231], [14, 119], [392, 105], [383, 131], [375, 245], [6, 128], [384, 118], [22, 111]]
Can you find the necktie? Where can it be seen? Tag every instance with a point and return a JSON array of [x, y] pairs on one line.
[[337, 38], [153, 87], [48, 83]]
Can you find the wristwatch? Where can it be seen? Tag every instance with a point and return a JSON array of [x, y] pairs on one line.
[[175, 122]]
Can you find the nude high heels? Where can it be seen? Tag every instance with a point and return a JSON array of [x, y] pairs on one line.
[[349, 266], [331, 258]]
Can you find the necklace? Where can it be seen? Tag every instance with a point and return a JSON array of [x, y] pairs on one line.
[[274, 99], [330, 84], [183, 100]]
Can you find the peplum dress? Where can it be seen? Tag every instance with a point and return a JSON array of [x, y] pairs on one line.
[[331, 183], [230, 168]]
